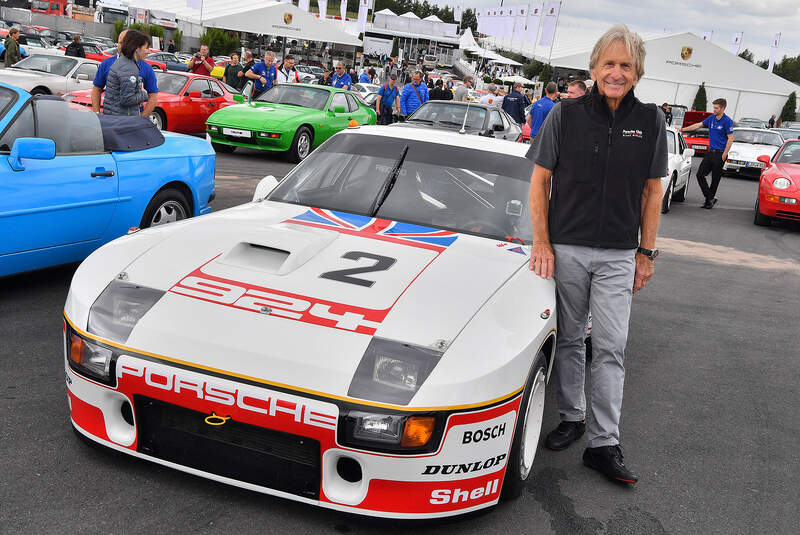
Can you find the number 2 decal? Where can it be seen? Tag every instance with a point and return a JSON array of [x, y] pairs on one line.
[[382, 263]]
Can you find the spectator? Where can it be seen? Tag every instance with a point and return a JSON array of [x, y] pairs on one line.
[[12, 47], [772, 122], [462, 91], [231, 75], [576, 89], [75, 48], [365, 78], [201, 62], [514, 104], [439, 93], [388, 96], [264, 73], [124, 89], [490, 97], [287, 73], [667, 113], [541, 108], [340, 78], [414, 95], [171, 48], [146, 73], [373, 74]]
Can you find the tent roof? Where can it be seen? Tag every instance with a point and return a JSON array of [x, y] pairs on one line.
[[434, 18], [409, 15], [386, 11]]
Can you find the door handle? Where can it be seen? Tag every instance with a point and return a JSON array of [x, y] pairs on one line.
[[97, 173]]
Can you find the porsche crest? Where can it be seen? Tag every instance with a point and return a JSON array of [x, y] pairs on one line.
[[287, 18], [686, 53]]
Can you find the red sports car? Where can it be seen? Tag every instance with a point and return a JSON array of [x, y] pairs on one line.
[[697, 140], [779, 187], [185, 101]]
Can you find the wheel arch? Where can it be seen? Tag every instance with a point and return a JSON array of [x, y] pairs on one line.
[[311, 128], [164, 118], [43, 88], [183, 188], [549, 349]]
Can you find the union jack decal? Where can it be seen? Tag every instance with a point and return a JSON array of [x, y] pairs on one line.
[[378, 229]]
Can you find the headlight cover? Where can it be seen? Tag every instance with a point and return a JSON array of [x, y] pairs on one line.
[[119, 308], [391, 432], [781, 183], [392, 372], [89, 358]]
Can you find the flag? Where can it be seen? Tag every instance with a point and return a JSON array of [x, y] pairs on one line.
[[519, 23], [707, 36], [532, 25], [323, 8], [457, 13], [363, 8], [195, 4], [305, 5], [479, 17], [736, 42], [343, 10], [773, 52], [549, 24]]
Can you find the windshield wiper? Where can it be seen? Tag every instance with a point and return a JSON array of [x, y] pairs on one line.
[[420, 120], [388, 184], [450, 122]]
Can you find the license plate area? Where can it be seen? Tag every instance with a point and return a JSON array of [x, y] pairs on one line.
[[235, 132]]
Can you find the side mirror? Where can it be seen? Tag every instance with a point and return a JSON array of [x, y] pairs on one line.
[[32, 148], [264, 188], [195, 94], [238, 99], [763, 159], [247, 91], [82, 77], [338, 109], [688, 153]]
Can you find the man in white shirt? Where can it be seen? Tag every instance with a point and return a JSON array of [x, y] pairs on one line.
[[492, 98], [287, 73]]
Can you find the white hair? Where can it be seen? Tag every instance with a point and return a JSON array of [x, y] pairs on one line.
[[632, 42], [269, 54]]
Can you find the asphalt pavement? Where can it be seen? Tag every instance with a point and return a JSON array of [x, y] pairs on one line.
[[711, 418]]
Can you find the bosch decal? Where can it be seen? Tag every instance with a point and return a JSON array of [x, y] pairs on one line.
[[481, 435]]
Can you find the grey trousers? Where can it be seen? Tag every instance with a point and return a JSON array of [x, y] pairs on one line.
[[600, 281]]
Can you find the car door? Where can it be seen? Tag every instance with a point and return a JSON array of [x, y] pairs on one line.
[[338, 121], [496, 120], [67, 201], [357, 112], [198, 107], [685, 165], [76, 84]]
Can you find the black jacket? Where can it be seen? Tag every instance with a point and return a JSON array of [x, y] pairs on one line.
[[514, 105], [604, 160], [75, 49], [441, 94], [171, 48]]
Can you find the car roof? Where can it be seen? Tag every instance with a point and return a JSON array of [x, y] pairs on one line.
[[443, 137], [463, 104]]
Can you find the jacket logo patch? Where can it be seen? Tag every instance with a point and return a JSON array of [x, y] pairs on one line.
[[632, 133]]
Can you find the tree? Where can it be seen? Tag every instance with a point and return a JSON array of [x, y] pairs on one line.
[[155, 31], [746, 54], [177, 36], [119, 25], [700, 100], [545, 74], [395, 48], [219, 42], [469, 20], [788, 112], [763, 64]]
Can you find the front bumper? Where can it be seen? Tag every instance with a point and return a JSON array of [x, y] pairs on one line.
[[743, 166], [253, 141], [770, 207], [285, 443]]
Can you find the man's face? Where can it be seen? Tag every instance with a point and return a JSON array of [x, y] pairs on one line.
[[340, 70], [718, 110], [417, 78], [269, 59], [204, 50], [289, 63], [615, 73], [234, 59], [574, 91]]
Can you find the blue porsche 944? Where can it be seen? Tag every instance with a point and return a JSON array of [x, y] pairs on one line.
[[71, 180]]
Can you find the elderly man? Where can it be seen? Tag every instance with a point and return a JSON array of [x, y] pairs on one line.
[[263, 73], [596, 235], [414, 95], [340, 78], [145, 71]]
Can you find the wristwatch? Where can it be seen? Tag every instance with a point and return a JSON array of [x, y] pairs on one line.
[[652, 254]]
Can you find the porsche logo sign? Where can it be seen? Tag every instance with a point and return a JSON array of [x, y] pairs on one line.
[[287, 18], [686, 53]]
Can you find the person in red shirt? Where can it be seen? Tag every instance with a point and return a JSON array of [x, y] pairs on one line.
[[201, 62]]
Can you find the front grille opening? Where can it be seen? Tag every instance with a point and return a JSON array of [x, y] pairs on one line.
[[127, 412], [349, 469]]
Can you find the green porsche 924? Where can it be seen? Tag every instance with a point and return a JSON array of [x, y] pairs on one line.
[[290, 118]]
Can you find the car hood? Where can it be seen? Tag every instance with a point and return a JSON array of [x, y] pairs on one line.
[[256, 115], [262, 290], [22, 74], [750, 151]]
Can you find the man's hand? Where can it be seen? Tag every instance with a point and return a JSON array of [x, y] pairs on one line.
[[542, 260], [724, 156], [644, 272]]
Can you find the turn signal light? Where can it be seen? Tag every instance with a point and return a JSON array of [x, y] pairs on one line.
[[76, 349], [418, 431]]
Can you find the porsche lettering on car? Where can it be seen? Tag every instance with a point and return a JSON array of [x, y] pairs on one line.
[[315, 344]]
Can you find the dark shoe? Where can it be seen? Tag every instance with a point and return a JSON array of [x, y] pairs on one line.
[[565, 434], [707, 205], [608, 461]]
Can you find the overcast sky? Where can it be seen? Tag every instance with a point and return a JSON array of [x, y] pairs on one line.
[[759, 20]]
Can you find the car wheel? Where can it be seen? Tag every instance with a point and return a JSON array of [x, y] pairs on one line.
[[527, 431], [39, 91], [301, 145], [219, 147], [158, 119], [167, 206], [680, 195], [760, 219], [666, 201]]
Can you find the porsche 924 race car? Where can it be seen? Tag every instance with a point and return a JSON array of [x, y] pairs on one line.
[[366, 336]]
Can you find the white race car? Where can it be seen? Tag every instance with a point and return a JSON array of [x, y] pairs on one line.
[[679, 162], [748, 144], [365, 336]]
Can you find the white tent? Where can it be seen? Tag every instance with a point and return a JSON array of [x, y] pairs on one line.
[[409, 15], [433, 18], [387, 12], [676, 65]]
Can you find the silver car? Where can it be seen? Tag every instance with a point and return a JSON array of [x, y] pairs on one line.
[[50, 75]]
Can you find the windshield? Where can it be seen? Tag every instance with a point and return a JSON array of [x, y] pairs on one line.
[[442, 186], [51, 64], [170, 83], [787, 133], [757, 137], [296, 95], [451, 114], [790, 153]]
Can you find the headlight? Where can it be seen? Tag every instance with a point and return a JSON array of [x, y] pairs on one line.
[[781, 183], [392, 372], [732, 154], [89, 358], [399, 433], [212, 128], [119, 308]]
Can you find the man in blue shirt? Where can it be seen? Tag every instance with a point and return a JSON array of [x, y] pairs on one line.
[[388, 96], [145, 71], [541, 108], [414, 95], [720, 137], [263, 73], [340, 78], [365, 78]]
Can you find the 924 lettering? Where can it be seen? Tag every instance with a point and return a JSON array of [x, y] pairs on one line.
[[443, 496], [447, 469], [480, 435]]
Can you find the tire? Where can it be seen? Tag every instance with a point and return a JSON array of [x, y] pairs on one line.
[[680, 195], [39, 91], [219, 147], [166, 206], [760, 219], [159, 119], [666, 201], [527, 431], [301, 145]]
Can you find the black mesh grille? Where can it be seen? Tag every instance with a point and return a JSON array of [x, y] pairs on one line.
[[273, 459], [788, 215]]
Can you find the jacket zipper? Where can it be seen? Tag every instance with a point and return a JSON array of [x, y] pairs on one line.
[[598, 232]]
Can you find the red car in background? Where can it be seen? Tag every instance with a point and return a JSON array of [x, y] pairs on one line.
[[185, 101], [157, 65], [697, 140], [779, 186], [92, 51]]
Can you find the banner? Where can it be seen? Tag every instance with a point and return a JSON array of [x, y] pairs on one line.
[[707, 36], [195, 4], [323, 8], [549, 24], [521, 17], [736, 42], [506, 22], [532, 24], [305, 5], [457, 13], [363, 8], [479, 17], [773, 51]]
